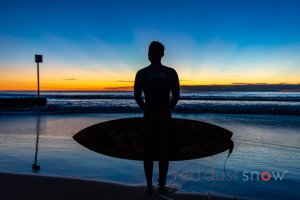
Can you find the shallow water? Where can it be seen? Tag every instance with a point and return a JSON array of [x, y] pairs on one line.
[[266, 145]]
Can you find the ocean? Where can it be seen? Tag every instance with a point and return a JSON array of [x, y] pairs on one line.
[[283, 103], [265, 163]]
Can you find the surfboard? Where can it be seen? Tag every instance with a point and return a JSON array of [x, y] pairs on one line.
[[123, 138]]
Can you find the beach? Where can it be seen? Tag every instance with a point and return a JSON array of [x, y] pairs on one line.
[[263, 143], [15, 187]]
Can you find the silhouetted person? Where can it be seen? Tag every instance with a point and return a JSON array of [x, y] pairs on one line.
[[157, 82]]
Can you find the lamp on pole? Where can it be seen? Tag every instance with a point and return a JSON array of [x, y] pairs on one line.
[[38, 59]]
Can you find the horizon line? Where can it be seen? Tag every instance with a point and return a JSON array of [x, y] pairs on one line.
[[214, 87]]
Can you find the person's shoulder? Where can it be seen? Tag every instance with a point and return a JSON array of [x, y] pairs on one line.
[[171, 70], [140, 71]]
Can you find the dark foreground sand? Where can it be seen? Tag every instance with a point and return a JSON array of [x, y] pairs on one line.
[[15, 186]]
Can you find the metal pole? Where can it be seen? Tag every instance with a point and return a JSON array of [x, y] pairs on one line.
[[38, 77]]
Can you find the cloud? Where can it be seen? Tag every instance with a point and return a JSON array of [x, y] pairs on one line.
[[124, 81], [69, 79], [245, 87], [120, 88], [249, 83]]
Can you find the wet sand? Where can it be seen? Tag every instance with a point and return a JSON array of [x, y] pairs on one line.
[[16, 186]]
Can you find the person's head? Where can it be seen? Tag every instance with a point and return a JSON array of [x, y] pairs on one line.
[[156, 51]]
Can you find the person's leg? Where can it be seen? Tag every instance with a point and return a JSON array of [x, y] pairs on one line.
[[148, 168], [148, 154], [163, 151], [163, 171]]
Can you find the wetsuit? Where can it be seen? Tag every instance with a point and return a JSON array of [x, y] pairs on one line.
[[157, 82]]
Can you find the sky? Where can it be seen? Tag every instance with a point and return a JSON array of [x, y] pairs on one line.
[[100, 45]]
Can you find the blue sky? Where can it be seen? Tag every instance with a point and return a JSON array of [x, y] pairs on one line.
[[208, 42]]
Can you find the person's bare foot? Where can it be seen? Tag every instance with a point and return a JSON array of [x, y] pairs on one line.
[[162, 190], [149, 189]]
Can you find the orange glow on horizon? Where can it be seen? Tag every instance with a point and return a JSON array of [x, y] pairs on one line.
[[71, 78], [101, 86]]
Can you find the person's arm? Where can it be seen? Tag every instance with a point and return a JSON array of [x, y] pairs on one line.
[[174, 91], [138, 89]]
